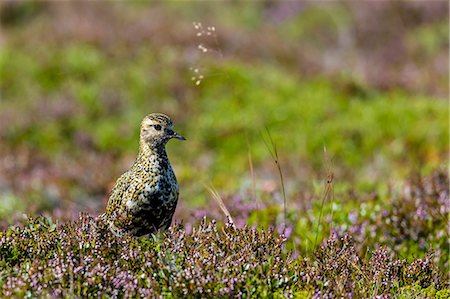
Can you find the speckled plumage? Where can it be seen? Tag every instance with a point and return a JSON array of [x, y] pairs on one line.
[[144, 198]]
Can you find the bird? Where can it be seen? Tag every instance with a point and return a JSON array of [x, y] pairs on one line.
[[144, 198]]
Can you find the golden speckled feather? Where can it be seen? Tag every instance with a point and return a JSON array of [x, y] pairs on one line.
[[144, 198]]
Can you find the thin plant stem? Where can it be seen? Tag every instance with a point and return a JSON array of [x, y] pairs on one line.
[[327, 191], [274, 153], [220, 202]]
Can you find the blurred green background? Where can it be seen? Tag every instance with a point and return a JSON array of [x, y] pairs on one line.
[[367, 81]]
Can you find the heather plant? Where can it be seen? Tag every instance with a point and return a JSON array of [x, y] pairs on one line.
[[341, 271], [415, 221], [408, 219], [83, 258]]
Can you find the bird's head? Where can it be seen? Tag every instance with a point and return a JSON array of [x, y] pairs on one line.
[[157, 130]]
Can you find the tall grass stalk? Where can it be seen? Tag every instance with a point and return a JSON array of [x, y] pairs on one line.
[[252, 173], [274, 153], [220, 202], [326, 194]]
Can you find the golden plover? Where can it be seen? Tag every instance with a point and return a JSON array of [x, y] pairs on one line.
[[144, 198]]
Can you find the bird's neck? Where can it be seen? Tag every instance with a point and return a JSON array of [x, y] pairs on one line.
[[146, 151]]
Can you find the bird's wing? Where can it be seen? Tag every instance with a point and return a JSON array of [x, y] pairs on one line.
[[118, 191]]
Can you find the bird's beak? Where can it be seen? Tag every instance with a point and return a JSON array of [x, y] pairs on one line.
[[177, 136]]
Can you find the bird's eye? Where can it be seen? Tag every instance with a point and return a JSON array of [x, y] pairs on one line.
[[157, 127]]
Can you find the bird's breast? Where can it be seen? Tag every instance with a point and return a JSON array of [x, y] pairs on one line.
[[160, 184]]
